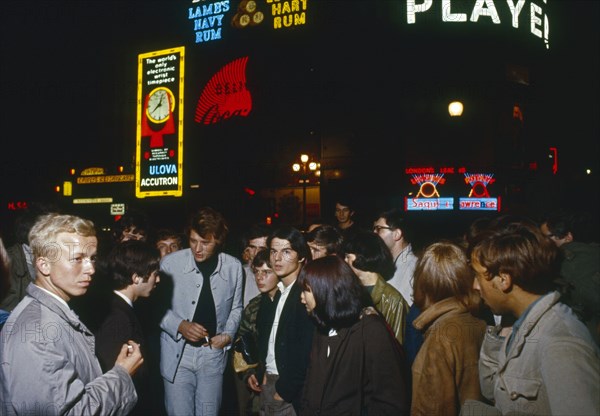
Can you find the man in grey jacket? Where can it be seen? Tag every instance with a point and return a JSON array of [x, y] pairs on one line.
[[204, 315], [546, 363], [48, 365]]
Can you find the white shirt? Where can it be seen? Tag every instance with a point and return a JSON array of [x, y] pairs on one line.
[[125, 298], [404, 275], [271, 365]]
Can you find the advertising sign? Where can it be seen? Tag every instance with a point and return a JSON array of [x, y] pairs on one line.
[[159, 133]]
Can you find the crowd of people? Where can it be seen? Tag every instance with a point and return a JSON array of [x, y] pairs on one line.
[[340, 318]]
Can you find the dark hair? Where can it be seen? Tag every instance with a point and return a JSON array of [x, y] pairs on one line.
[[581, 225], [345, 200], [129, 257], [261, 258], [166, 233], [476, 228], [395, 218], [328, 236], [132, 218], [255, 231], [522, 251], [208, 222], [338, 292], [296, 239], [372, 255]]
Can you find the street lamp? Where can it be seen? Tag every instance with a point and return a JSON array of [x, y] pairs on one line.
[[304, 167], [455, 108]]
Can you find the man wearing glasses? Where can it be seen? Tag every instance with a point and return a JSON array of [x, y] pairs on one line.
[[284, 329], [395, 232]]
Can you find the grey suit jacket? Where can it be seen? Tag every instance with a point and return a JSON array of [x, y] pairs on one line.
[[226, 285]]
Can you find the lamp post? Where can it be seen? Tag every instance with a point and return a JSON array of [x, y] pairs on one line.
[[304, 167]]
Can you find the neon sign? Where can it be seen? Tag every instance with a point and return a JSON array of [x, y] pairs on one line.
[[428, 197], [479, 197], [225, 95], [208, 19], [288, 13], [429, 180], [452, 12], [159, 134]]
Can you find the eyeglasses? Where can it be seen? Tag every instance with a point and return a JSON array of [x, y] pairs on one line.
[[377, 228], [263, 273], [287, 254]]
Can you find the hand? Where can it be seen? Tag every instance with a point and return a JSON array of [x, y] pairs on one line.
[[277, 397], [130, 357], [192, 331], [253, 384], [220, 341]]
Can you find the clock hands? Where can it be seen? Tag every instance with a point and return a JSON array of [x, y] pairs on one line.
[[158, 105]]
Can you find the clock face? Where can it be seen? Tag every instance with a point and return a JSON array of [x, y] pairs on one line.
[[161, 102]]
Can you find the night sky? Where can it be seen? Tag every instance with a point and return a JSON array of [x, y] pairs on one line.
[[68, 81]]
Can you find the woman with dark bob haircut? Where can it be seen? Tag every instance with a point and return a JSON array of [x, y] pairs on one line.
[[356, 366]]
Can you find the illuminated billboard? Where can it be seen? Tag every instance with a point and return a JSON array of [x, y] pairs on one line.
[[159, 133], [529, 13], [435, 190], [225, 95]]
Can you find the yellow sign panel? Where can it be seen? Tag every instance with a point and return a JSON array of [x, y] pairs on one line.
[[92, 171], [105, 179], [159, 132]]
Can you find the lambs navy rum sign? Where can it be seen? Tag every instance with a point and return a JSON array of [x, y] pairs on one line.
[[159, 138]]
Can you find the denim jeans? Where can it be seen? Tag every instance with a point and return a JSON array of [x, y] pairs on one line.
[[198, 385]]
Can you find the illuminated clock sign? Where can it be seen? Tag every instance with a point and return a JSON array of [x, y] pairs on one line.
[[159, 133], [529, 13]]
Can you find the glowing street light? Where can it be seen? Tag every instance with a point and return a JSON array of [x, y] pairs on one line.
[[304, 167], [455, 108]]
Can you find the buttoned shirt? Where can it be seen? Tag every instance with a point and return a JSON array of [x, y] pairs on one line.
[[271, 365]]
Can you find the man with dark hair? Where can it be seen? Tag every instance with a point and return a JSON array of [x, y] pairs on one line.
[[395, 231], [255, 239], [133, 270], [284, 329], [547, 362], [325, 240], [168, 241], [580, 268], [344, 214], [133, 225], [203, 318]]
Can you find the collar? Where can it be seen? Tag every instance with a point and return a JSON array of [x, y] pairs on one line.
[[284, 290], [61, 300], [125, 298], [403, 255]]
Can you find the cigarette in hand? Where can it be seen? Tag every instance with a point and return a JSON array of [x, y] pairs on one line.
[[207, 339], [129, 349]]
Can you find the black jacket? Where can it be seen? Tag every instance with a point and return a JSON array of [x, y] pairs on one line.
[[292, 343]]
